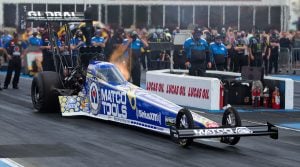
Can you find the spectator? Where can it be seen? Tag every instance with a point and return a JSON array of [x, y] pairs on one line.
[[218, 53], [77, 41], [99, 41], [284, 41], [197, 54], [257, 49], [285, 48], [6, 38], [145, 59], [274, 52], [134, 43], [15, 49], [240, 59], [3, 52]]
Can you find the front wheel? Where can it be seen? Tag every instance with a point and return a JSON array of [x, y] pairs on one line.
[[184, 120], [231, 119]]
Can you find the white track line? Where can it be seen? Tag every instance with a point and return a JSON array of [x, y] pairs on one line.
[[10, 162], [253, 122], [281, 127]]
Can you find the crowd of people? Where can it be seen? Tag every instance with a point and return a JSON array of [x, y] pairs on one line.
[[223, 50]]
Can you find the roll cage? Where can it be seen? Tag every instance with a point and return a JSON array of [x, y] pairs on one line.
[[71, 76]]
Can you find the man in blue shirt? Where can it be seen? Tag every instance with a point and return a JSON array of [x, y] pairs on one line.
[[6, 38], [134, 45], [197, 54], [218, 53], [76, 42], [99, 41], [34, 40]]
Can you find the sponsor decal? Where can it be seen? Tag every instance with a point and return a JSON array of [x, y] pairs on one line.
[[155, 86], [243, 130], [170, 121], [179, 90], [71, 103], [94, 98], [50, 14], [155, 117], [222, 131], [114, 103], [132, 99]]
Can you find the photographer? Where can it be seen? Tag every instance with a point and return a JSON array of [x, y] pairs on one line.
[[197, 54], [134, 44]]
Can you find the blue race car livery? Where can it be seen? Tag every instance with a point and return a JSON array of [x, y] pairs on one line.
[[107, 95]]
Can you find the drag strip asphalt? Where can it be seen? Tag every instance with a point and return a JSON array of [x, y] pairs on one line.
[[35, 139]]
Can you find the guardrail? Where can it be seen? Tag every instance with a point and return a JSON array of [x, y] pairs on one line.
[[284, 59], [295, 60]]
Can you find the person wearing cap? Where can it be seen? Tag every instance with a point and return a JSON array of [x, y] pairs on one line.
[[197, 54], [99, 41], [218, 53], [14, 48], [76, 42], [134, 45]]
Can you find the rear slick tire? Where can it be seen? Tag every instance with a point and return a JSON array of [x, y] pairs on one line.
[[44, 98]]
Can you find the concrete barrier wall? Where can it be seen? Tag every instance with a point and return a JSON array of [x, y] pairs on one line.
[[201, 92]]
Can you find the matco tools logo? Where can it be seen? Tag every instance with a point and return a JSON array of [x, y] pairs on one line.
[[94, 98], [222, 131]]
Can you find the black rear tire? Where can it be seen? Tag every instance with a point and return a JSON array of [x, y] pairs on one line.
[[44, 98], [184, 120], [231, 118]]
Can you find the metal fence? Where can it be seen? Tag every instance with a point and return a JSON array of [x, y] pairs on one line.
[[295, 60], [284, 60]]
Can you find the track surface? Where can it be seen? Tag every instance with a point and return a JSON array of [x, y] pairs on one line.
[[48, 140]]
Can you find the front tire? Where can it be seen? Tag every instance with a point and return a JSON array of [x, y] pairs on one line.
[[231, 119], [44, 98], [184, 120]]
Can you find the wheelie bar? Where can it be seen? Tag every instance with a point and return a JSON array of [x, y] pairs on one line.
[[259, 130]]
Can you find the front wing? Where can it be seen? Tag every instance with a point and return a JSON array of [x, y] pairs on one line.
[[259, 130]]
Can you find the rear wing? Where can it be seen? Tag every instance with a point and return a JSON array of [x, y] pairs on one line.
[[260, 130], [56, 16]]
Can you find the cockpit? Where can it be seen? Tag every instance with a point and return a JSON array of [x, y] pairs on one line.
[[109, 73]]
